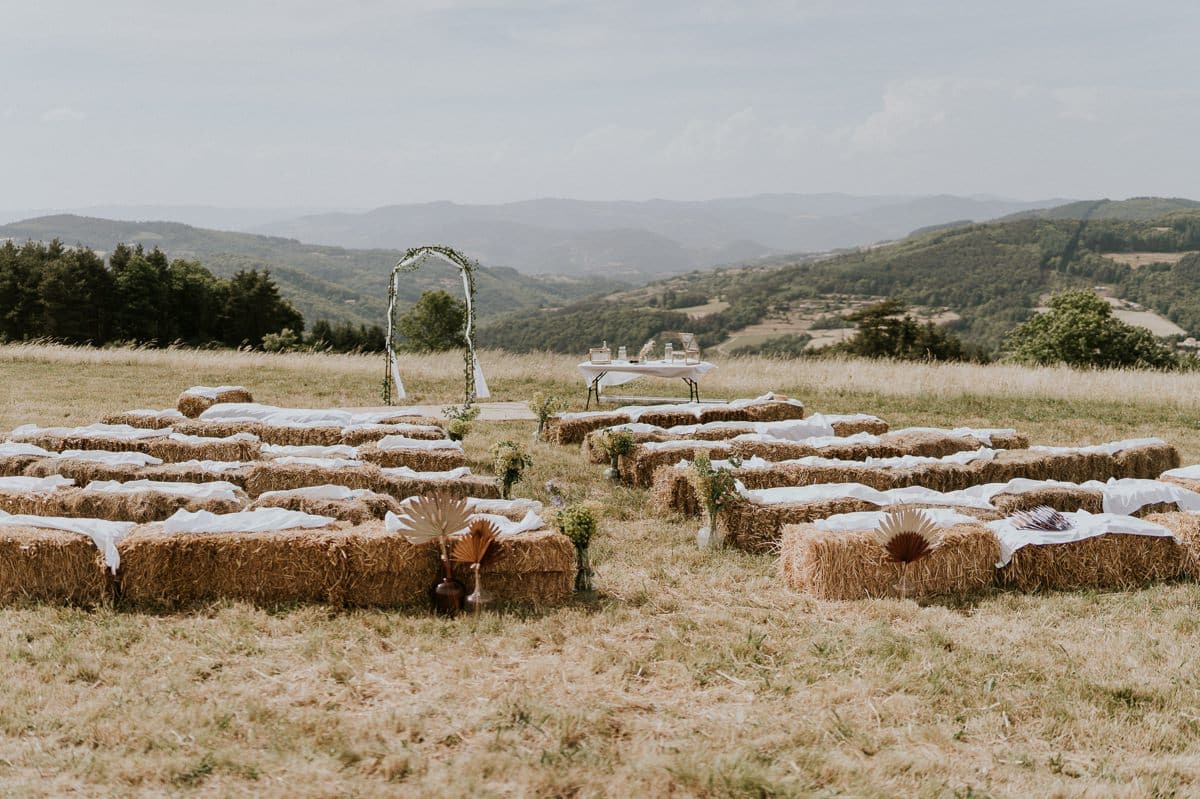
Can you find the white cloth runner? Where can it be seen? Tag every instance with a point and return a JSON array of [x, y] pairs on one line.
[[319, 492], [169, 412], [494, 506], [620, 372], [902, 462], [980, 434], [35, 485], [186, 439], [816, 442], [642, 427], [261, 520], [869, 520], [320, 463], [216, 467], [1184, 472], [1110, 448], [399, 429], [121, 432], [448, 474], [238, 412], [211, 392], [1129, 495], [109, 458], [1084, 525], [104, 534], [312, 451], [217, 489], [796, 429], [402, 442], [910, 495], [667, 446], [9, 449], [295, 417], [765, 399]]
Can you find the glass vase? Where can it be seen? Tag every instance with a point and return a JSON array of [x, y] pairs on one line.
[[478, 600], [584, 575]]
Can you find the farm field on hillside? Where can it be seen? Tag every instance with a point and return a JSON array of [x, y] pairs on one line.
[[693, 673]]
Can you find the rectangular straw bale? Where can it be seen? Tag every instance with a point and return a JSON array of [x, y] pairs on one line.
[[413, 419], [927, 444], [1116, 561], [757, 528], [182, 473], [16, 465], [1191, 484], [38, 565], [1014, 440], [1146, 462], [772, 412], [419, 460], [594, 453], [141, 507], [218, 428], [869, 424], [1062, 498], [37, 503], [673, 491], [535, 569], [170, 570], [192, 405], [216, 449], [852, 565], [572, 430], [368, 507], [666, 418], [147, 421], [83, 472], [267, 476], [384, 570], [355, 437], [1067, 467], [1186, 527], [402, 488], [638, 467], [283, 435]]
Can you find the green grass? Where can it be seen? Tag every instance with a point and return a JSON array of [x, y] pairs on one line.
[[694, 673]]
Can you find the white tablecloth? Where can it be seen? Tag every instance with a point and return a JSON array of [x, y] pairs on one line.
[[622, 371]]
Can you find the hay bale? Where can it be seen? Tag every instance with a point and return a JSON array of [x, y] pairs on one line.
[[473, 485], [571, 428], [535, 569], [418, 459], [357, 435], [170, 570], [198, 472], [20, 502], [779, 409], [177, 448], [147, 419], [757, 528], [593, 452], [1115, 561], [277, 475], [384, 570], [672, 490], [866, 424], [1062, 498], [1186, 527], [363, 507], [83, 471], [852, 565], [1147, 461], [638, 467], [141, 506], [41, 565], [198, 399], [669, 416], [15, 465]]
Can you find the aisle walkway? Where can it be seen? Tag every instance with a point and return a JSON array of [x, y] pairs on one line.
[[488, 411]]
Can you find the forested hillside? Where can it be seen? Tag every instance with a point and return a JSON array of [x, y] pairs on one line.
[[990, 276], [322, 282]]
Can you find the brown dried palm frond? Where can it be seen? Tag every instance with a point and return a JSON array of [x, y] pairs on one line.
[[423, 519], [907, 534], [472, 547], [1040, 518]]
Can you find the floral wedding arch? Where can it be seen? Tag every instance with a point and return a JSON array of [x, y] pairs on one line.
[[476, 386]]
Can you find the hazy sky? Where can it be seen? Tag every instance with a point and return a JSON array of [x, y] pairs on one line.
[[367, 103]]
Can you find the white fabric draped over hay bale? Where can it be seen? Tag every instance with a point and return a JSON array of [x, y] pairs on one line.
[[197, 399], [47, 559]]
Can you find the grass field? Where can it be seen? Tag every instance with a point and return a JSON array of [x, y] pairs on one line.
[[692, 674]]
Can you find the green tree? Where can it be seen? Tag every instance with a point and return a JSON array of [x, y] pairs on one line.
[[436, 322], [254, 308], [887, 330], [1080, 330]]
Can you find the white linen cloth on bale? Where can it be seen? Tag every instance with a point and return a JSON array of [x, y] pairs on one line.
[[505, 527], [981, 434], [109, 458], [447, 474], [789, 495], [497, 506], [217, 489], [309, 451], [186, 439], [814, 426], [816, 442], [1084, 525], [749, 463], [35, 485], [216, 467], [902, 462], [870, 519], [683, 443], [1130, 495], [169, 412], [402, 442], [1185, 472], [262, 520], [621, 372], [319, 492], [1109, 448], [294, 417], [10, 449], [320, 463], [104, 534], [121, 432], [211, 392]]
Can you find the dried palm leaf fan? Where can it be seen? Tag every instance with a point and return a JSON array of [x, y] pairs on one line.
[[907, 535], [424, 519], [471, 549], [1040, 518]]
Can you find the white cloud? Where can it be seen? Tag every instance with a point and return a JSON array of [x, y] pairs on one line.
[[63, 114]]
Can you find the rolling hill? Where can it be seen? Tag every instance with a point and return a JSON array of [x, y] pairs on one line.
[[332, 283], [988, 277]]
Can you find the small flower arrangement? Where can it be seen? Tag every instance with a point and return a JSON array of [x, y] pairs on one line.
[[577, 522], [509, 460], [544, 406], [717, 487], [616, 443], [460, 417]]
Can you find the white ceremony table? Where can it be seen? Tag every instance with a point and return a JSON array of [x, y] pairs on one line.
[[602, 375]]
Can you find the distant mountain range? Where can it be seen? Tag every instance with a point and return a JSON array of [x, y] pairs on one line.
[[626, 241]]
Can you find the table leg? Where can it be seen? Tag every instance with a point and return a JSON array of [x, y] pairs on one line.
[[594, 388], [693, 389]]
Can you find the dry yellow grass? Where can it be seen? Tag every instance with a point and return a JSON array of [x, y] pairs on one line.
[[693, 674]]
